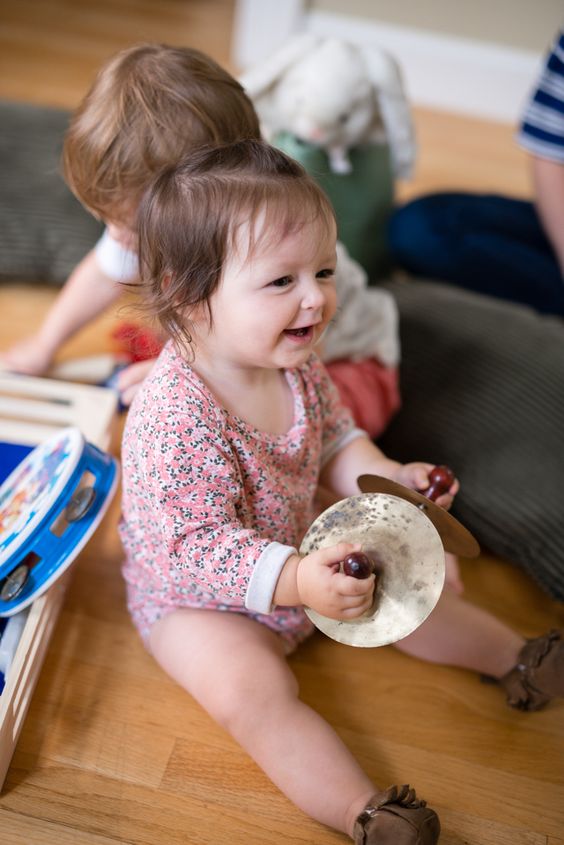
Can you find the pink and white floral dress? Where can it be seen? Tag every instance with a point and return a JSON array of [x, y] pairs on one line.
[[212, 507]]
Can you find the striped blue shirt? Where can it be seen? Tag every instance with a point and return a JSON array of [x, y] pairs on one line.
[[542, 128]]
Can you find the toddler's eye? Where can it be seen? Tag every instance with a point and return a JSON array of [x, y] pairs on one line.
[[326, 273], [283, 282], [343, 117]]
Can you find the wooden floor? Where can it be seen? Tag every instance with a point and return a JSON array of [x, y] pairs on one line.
[[112, 751]]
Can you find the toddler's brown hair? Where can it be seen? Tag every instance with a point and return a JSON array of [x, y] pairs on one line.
[[148, 107], [191, 218]]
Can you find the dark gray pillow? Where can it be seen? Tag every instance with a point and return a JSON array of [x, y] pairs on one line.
[[483, 391], [44, 231]]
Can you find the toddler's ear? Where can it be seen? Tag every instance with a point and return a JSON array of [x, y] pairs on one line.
[[167, 278]]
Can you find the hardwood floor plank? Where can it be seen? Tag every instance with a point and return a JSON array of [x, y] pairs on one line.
[[462, 829], [457, 784], [17, 829], [94, 742], [465, 154], [52, 49], [143, 816]]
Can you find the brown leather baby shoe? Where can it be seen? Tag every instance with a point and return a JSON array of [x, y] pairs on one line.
[[539, 673], [397, 817]]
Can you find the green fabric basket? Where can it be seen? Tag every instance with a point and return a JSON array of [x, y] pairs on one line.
[[363, 199]]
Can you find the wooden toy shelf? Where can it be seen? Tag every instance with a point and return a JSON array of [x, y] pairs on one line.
[[31, 410]]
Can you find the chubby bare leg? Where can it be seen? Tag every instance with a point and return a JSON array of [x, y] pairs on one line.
[[458, 633], [236, 669]]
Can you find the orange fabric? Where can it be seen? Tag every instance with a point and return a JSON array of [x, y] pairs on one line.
[[369, 390]]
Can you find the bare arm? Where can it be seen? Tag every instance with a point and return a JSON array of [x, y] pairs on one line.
[[548, 178], [87, 293], [362, 456], [358, 457]]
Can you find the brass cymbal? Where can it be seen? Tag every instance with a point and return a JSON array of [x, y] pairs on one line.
[[456, 538], [410, 559]]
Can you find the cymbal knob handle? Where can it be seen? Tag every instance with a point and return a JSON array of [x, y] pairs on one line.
[[441, 479], [358, 565]]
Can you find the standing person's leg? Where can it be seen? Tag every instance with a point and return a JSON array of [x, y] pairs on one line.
[[236, 669], [489, 244]]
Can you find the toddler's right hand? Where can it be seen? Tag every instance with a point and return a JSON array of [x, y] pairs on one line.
[[131, 378], [322, 587], [29, 356]]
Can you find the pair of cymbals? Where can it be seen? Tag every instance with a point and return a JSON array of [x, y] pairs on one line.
[[406, 535]]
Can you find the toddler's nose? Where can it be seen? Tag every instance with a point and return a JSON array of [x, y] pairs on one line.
[[314, 296]]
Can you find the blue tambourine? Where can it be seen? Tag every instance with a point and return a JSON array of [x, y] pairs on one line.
[[50, 505]]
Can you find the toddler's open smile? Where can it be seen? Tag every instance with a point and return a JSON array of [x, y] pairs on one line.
[[303, 334]]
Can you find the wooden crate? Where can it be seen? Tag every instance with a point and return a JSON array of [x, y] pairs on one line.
[[31, 410]]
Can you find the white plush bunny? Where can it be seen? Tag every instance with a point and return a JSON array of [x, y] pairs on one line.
[[334, 95]]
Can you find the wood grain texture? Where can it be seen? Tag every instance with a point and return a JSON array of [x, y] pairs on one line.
[[52, 49], [112, 750]]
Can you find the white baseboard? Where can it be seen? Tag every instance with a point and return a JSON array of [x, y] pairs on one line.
[[448, 73]]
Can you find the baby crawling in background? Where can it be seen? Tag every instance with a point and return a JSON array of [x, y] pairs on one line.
[[224, 448]]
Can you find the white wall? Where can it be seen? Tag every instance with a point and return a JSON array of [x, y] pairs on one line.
[[476, 57], [520, 24]]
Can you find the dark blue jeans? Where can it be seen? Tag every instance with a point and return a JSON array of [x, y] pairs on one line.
[[489, 244]]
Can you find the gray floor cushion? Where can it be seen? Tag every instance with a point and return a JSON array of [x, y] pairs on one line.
[[483, 390], [44, 231]]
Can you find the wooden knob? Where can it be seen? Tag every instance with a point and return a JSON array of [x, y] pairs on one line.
[[358, 565], [441, 479]]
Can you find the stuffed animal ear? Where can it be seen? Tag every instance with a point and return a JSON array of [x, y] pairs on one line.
[[385, 76], [260, 78]]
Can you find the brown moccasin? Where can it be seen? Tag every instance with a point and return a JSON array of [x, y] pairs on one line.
[[539, 673], [397, 817]]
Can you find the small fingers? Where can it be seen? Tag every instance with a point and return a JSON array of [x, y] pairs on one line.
[[19, 364], [132, 374], [445, 500], [126, 396], [131, 378], [346, 585], [452, 491], [421, 476], [356, 610], [333, 555], [343, 549], [357, 599]]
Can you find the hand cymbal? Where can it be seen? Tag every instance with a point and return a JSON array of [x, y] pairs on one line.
[[455, 537], [410, 562]]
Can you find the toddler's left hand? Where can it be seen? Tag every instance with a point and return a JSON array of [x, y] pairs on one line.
[[416, 476]]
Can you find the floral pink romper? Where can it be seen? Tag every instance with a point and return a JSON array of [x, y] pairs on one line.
[[212, 507]]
